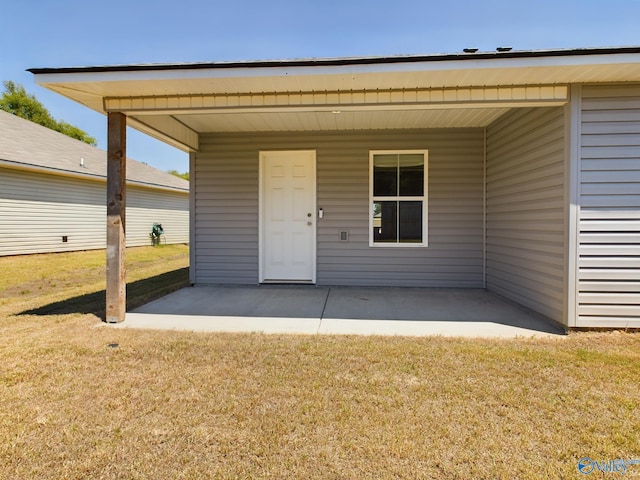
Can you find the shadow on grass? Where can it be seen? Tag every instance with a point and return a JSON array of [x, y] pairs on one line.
[[138, 293]]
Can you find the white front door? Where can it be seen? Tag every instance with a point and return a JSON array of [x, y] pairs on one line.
[[287, 216]]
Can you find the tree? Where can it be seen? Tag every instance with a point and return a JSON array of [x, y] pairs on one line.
[[17, 101], [178, 174], [75, 132]]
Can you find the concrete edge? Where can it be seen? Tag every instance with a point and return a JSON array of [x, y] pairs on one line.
[[327, 326]]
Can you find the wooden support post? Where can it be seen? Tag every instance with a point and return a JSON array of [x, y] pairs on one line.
[[116, 207]]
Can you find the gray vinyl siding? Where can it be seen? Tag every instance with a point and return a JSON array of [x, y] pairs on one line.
[[609, 213], [453, 257], [226, 208], [37, 210], [525, 209], [226, 211]]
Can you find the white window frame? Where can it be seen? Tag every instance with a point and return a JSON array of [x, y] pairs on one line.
[[423, 199]]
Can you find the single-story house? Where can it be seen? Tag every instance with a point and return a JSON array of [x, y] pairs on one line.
[[513, 171], [53, 194]]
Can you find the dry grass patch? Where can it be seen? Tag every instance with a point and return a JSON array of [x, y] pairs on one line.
[[74, 282], [192, 406]]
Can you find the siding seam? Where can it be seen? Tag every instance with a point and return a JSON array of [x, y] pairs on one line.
[[484, 210]]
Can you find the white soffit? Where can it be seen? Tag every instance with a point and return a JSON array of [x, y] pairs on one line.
[[462, 97], [345, 120], [352, 110]]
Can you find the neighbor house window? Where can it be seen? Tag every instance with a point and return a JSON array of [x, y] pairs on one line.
[[398, 192]]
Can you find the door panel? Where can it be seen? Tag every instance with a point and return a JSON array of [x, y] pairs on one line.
[[288, 192]]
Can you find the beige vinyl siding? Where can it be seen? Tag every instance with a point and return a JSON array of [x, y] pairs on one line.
[[146, 207], [525, 209], [226, 200], [37, 210], [609, 226]]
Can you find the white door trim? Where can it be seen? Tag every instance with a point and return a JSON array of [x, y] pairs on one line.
[[261, 212]]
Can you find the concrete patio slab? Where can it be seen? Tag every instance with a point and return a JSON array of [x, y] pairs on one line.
[[201, 323], [265, 301], [412, 328], [430, 304], [341, 310]]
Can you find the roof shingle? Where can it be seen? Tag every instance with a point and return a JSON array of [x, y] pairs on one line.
[[27, 144]]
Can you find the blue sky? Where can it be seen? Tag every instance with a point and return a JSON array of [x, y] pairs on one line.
[[38, 33]]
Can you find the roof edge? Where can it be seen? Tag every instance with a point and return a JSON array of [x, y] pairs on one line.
[[28, 167], [332, 62], [13, 165]]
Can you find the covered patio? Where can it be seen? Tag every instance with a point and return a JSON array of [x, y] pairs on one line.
[[341, 310], [514, 173]]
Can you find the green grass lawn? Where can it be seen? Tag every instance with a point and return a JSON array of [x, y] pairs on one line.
[[83, 401]]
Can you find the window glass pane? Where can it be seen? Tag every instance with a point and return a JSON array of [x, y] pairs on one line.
[[410, 223], [385, 175], [385, 222], [411, 167]]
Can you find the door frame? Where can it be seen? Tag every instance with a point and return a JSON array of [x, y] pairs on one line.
[[314, 215]]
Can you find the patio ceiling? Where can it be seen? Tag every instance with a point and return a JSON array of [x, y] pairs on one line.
[[344, 120], [177, 102]]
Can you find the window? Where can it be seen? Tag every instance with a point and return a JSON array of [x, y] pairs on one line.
[[398, 193]]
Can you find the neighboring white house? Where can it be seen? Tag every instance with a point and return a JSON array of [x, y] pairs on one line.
[[514, 171], [53, 194]]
